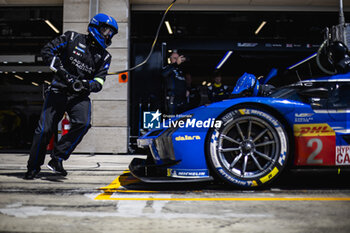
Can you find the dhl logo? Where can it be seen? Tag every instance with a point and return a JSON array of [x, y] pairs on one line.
[[305, 130]]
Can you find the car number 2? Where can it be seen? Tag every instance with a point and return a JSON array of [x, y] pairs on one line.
[[312, 157], [319, 150], [314, 144]]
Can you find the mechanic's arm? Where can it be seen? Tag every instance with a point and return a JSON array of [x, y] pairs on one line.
[[210, 93], [167, 71], [51, 51], [226, 92], [100, 76]]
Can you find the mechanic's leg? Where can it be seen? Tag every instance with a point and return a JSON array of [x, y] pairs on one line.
[[79, 112], [178, 105], [171, 105], [52, 112]]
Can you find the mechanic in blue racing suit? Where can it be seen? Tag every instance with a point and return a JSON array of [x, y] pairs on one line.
[[80, 64]]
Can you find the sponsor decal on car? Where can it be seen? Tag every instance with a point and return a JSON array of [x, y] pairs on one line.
[[235, 180], [342, 155], [258, 113], [315, 144], [270, 175], [303, 117], [306, 130], [282, 158], [187, 138], [188, 173]]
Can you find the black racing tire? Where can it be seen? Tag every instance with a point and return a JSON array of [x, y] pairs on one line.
[[250, 149]]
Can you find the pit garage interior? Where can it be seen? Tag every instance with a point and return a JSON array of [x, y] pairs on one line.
[[203, 31]]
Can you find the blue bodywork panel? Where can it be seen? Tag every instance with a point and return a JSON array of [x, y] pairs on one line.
[[187, 145]]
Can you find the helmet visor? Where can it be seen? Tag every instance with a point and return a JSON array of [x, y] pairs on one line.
[[107, 32]]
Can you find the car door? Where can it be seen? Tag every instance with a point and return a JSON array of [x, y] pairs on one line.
[[339, 110], [315, 138]]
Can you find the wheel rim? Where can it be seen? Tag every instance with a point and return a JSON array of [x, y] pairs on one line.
[[248, 147]]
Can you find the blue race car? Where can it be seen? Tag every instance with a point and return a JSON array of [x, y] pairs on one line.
[[248, 141]]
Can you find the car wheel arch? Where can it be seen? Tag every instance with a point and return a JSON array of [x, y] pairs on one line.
[[286, 126]]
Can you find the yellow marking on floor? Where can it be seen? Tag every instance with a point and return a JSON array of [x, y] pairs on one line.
[[108, 197], [104, 196], [125, 179], [134, 191]]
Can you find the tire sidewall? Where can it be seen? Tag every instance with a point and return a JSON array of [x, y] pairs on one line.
[[268, 175]]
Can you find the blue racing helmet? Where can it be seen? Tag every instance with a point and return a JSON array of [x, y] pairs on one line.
[[102, 28], [247, 82]]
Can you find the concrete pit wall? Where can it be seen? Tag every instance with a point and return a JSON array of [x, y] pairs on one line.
[[108, 133]]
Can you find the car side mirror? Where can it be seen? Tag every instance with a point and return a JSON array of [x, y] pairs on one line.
[[319, 92]]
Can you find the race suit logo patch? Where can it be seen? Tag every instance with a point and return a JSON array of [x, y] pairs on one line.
[[80, 49], [77, 53], [151, 120]]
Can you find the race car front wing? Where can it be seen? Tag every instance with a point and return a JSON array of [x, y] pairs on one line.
[[158, 167]]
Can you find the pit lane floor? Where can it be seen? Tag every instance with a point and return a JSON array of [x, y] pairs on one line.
[[99, 195]]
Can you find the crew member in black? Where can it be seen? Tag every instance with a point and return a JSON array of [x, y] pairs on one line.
[[80, 64], [194, 97], [176, 88], [217, 91]]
